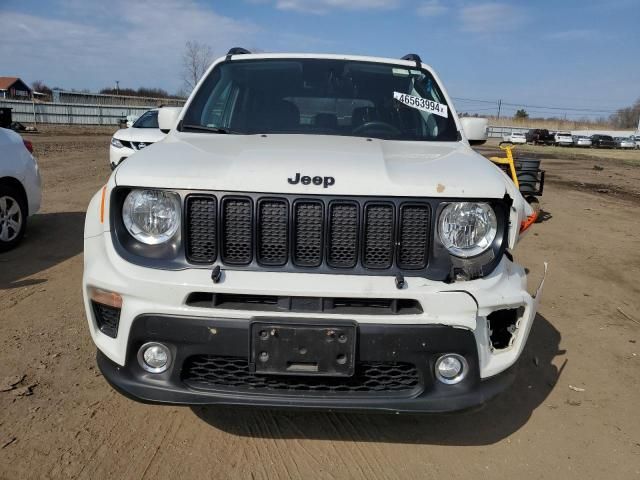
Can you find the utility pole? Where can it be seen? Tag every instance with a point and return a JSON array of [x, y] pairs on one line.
[[499, 107]]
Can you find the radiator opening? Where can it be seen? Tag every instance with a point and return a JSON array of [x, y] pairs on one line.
[[233, 374], [335, 305]]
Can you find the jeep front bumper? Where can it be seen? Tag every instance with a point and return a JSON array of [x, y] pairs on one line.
[[222, 377], [213, 344]]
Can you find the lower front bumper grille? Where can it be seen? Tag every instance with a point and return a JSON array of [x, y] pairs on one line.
[[211, 372]]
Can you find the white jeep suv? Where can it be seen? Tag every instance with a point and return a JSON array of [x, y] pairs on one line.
[[328, 239]]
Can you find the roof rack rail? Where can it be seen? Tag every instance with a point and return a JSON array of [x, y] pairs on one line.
[[237, 51], [413, 57]]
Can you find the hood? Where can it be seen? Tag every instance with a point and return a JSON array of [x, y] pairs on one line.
[[149, 135], [344, 165]]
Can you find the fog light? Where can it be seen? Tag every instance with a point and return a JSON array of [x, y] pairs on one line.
[[451, 368], [154, 357]]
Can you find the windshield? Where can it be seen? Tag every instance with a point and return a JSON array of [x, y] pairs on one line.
[[321, 97], [147, 120]]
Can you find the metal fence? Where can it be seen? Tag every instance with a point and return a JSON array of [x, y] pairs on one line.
[[70, 113], [501, 132], [90, 114], [82, 98]]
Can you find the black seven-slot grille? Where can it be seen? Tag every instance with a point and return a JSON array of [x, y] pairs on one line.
[[307, 233]]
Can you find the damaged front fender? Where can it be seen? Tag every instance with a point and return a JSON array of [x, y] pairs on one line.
[[504, 322]]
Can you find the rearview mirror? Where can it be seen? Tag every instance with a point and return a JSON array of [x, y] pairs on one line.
[[168, 117], [475, 129]]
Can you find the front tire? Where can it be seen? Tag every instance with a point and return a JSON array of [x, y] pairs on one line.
[[13, 217]]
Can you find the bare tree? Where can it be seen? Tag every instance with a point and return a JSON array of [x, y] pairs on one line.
[[40, 87], [196, 59], [627, 117]]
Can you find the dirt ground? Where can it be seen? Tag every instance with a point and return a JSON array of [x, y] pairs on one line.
[[572, 413]]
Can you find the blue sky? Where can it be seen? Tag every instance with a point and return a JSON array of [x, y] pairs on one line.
[[572, 53]]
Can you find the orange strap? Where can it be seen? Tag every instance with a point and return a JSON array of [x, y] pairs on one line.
[[531, 219]]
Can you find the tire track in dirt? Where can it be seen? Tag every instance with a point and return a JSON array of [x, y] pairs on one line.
[[598, 189]]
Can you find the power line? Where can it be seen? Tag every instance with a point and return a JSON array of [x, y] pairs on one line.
[[562, 108], [492, 109], [523, 105], [475, 100]]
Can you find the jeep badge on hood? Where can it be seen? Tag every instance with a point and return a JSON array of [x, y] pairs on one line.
[[306, 180]]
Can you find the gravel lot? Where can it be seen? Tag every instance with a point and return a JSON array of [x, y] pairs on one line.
[[572, 413]]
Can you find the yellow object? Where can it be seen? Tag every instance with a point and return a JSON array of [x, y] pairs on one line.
[[508, 160]]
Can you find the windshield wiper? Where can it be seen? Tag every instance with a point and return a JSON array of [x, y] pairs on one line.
[[203, 128]]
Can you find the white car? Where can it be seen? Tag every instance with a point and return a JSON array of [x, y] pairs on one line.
[[141, 134], [328, 239], [20, 192], [582, 141], [516, 138], [563, 139], [625, 142], [637, 140]]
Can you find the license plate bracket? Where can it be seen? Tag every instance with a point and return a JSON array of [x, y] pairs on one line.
[[279, 348]]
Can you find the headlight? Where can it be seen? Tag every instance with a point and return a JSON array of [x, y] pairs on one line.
[[151, 216], [467, 228], [116, 143]]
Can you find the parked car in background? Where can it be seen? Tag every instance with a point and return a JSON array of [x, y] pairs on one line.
[[141, 134], [540, 136], [516, 138], [637, 139], [20, 192], [625, 142], [602, 141], [581, 141], [563, 139]]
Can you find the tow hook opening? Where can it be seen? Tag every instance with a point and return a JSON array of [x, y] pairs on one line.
[[503, 325]]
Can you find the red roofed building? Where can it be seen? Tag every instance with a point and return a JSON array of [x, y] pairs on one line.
[[13, 87]]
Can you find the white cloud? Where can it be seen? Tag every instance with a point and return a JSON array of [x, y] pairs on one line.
[[490, 18], [139, 43], [324, 6], [431, 8]]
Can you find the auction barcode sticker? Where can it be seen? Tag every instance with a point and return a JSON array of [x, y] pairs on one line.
[[422, 104]]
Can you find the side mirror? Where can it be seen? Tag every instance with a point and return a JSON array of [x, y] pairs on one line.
[[168, 117], [475, 129]]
